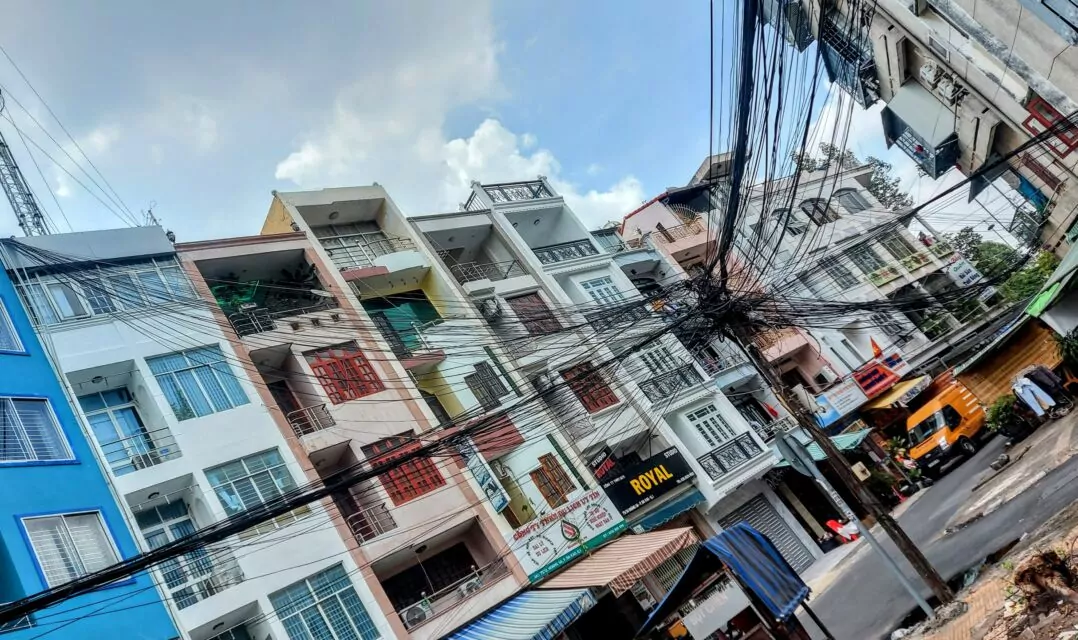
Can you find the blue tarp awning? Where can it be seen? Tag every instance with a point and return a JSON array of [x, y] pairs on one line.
[[752, 559], [667, 512], [529, 615]]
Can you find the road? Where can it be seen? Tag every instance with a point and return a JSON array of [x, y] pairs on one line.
[[866, 601]]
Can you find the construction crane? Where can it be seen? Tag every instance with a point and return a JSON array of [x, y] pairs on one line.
[[18, 192]]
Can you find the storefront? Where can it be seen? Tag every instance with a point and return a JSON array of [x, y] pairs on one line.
[[654, 491]]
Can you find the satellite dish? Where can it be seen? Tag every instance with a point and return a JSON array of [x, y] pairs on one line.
[[321, 294]]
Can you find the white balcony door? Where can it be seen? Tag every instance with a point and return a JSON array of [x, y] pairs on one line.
[[118, 429]]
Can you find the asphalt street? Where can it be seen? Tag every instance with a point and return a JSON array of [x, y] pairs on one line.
[[866, 600]]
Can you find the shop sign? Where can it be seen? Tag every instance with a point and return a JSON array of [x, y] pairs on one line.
[[915, 391], [962, 271], [483, 474], [602, 462], [716, 612], [555, 539], [839, 401], [632, 487], [881, 374]]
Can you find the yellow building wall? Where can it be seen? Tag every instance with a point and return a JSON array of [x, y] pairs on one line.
[[278, 220]]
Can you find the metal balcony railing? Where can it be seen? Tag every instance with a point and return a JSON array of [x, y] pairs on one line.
[[445, 599], [673, 234], [714, 365], [310, 419], [195, 576], [261, 319], [565, 251], [517, 191], [472, 271], [778, 425], [147, 449], [359, 251], [730, 455], [620, 317], [370, 522], [669, 384]]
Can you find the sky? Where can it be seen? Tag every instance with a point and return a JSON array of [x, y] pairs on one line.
[[202, 109]]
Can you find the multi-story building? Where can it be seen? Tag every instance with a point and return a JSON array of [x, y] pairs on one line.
[[61, 520], [964, 83], [191, 435], [583, 318]]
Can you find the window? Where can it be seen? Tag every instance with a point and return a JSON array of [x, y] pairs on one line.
[[532, 311], [252, 481], [852, 200], [897, 245], [839, 273], [818, 211], [795, 226], [412, 478], [345, 373], [552, 481], [486, 385], [887, 323], [119, 430], [197, 382], [866, 259], [711, 426], [93, 292], [1043, 116], [324, 606], [190, 577], [951, 417], [658, 360], [70, 545], [29, 432], [1060, 15], [9, 338], [589, 387], [602, 290]]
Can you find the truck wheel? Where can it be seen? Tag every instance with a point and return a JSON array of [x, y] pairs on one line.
[[967, 447]]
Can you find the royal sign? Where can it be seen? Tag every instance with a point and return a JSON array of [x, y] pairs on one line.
[[555, 539], [631, 488]]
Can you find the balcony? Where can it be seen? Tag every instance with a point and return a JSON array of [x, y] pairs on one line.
[[919, 124], [669, 384], [310, 419], [140, 451], [370, 522], [883, 275], [623, 317], [941, 249], [437, 603], [195, 576], [917, 260], [565, 251], [411, 347], [716, 363], [848, 62], [670, 235], [730, 455], [253, 319], [361, 250], [767, 432], [517, 191], [494, 271]]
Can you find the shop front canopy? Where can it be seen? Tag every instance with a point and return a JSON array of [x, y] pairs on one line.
[[620, 564], [752, 559], [843, 441], [529, 615]]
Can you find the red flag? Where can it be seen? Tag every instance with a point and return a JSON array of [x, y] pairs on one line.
[[772, 410], [876, 350]]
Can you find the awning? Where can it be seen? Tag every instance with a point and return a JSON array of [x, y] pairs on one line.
[[623, 562], [901, 393], [753, 559], [1054, 285], [666, 512], [844, 442], [529, 615]]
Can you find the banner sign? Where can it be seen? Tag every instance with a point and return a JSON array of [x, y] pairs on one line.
[[839, 401], [555, 539], [962, 271], [881, 374], [632, 487], [482, 473], [602, 462]]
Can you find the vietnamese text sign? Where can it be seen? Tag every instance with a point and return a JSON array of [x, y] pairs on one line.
[[635, 486], [963, 272], [481, 471], [554, 539], [839, 401], [881, 374]]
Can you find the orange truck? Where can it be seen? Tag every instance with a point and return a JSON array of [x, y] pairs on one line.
[[949, 424]]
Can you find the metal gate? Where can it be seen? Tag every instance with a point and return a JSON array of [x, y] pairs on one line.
[[759, 513]]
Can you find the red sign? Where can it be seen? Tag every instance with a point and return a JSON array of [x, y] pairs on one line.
[[880, 375]]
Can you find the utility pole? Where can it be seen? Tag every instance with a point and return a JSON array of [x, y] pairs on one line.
[[842, 468]]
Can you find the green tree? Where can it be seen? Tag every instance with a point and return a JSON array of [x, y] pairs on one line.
[[993, 259], [1027, 281], [965, 241], [882, 182]]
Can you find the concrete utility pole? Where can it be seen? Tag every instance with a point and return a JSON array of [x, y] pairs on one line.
[[842, 468]]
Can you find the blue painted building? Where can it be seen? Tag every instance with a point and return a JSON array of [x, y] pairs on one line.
[[58, 517]]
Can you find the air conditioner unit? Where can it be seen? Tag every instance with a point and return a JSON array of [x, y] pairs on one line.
[[930, 73], [491, 309], [416, 614], [948, 90], [469, 587]]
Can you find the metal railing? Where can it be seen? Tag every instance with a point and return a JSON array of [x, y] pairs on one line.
[[264, 319], [565, 251], [669, 384], [607, 319], [916, 260], [714, 365], [359, 250], [517, 191], [472, 271], [673, 234], [147, 449], [446, 598], [310, 419], [195, 576], [22, 622], [730, 455], [941, 249], [370, 522], [767, 431]]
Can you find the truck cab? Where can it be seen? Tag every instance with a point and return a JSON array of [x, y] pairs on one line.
[[946, 426]]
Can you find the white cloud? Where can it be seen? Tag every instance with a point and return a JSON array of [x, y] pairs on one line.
[[100, 140], [594, 169], [63, 186]]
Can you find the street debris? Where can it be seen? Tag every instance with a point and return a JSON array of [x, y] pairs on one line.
[[1000, 461]]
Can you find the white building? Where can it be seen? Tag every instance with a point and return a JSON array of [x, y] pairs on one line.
[[188, 438]]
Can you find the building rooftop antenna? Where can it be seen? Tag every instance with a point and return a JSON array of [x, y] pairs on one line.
[[18, 193]]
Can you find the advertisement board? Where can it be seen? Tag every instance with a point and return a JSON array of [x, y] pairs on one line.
[[632, 487], [484, 475], [839, 401]]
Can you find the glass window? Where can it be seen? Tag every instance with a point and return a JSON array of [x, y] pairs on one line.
[[866, 259], [252, 481], [29, 432], [795, 226], [818, 211], [589, 387], [37, 302], [485, 385], [711, 426], [324, 606], [126, 291], [658, 360], [197, 382], [851, 200], [119, 431], [66, 301], [9, 338], [897, 245], [410, 479], [177, 281], [97, 296], [838, 271], [70, 545], [926, 428], [190, 577], [153, 285], [602, 290], [344, 372]]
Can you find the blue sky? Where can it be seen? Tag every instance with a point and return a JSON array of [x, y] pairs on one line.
[[204, 108]]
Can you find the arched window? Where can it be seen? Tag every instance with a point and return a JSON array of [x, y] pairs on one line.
[[851, 200], [795, 225], [818, 211]]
